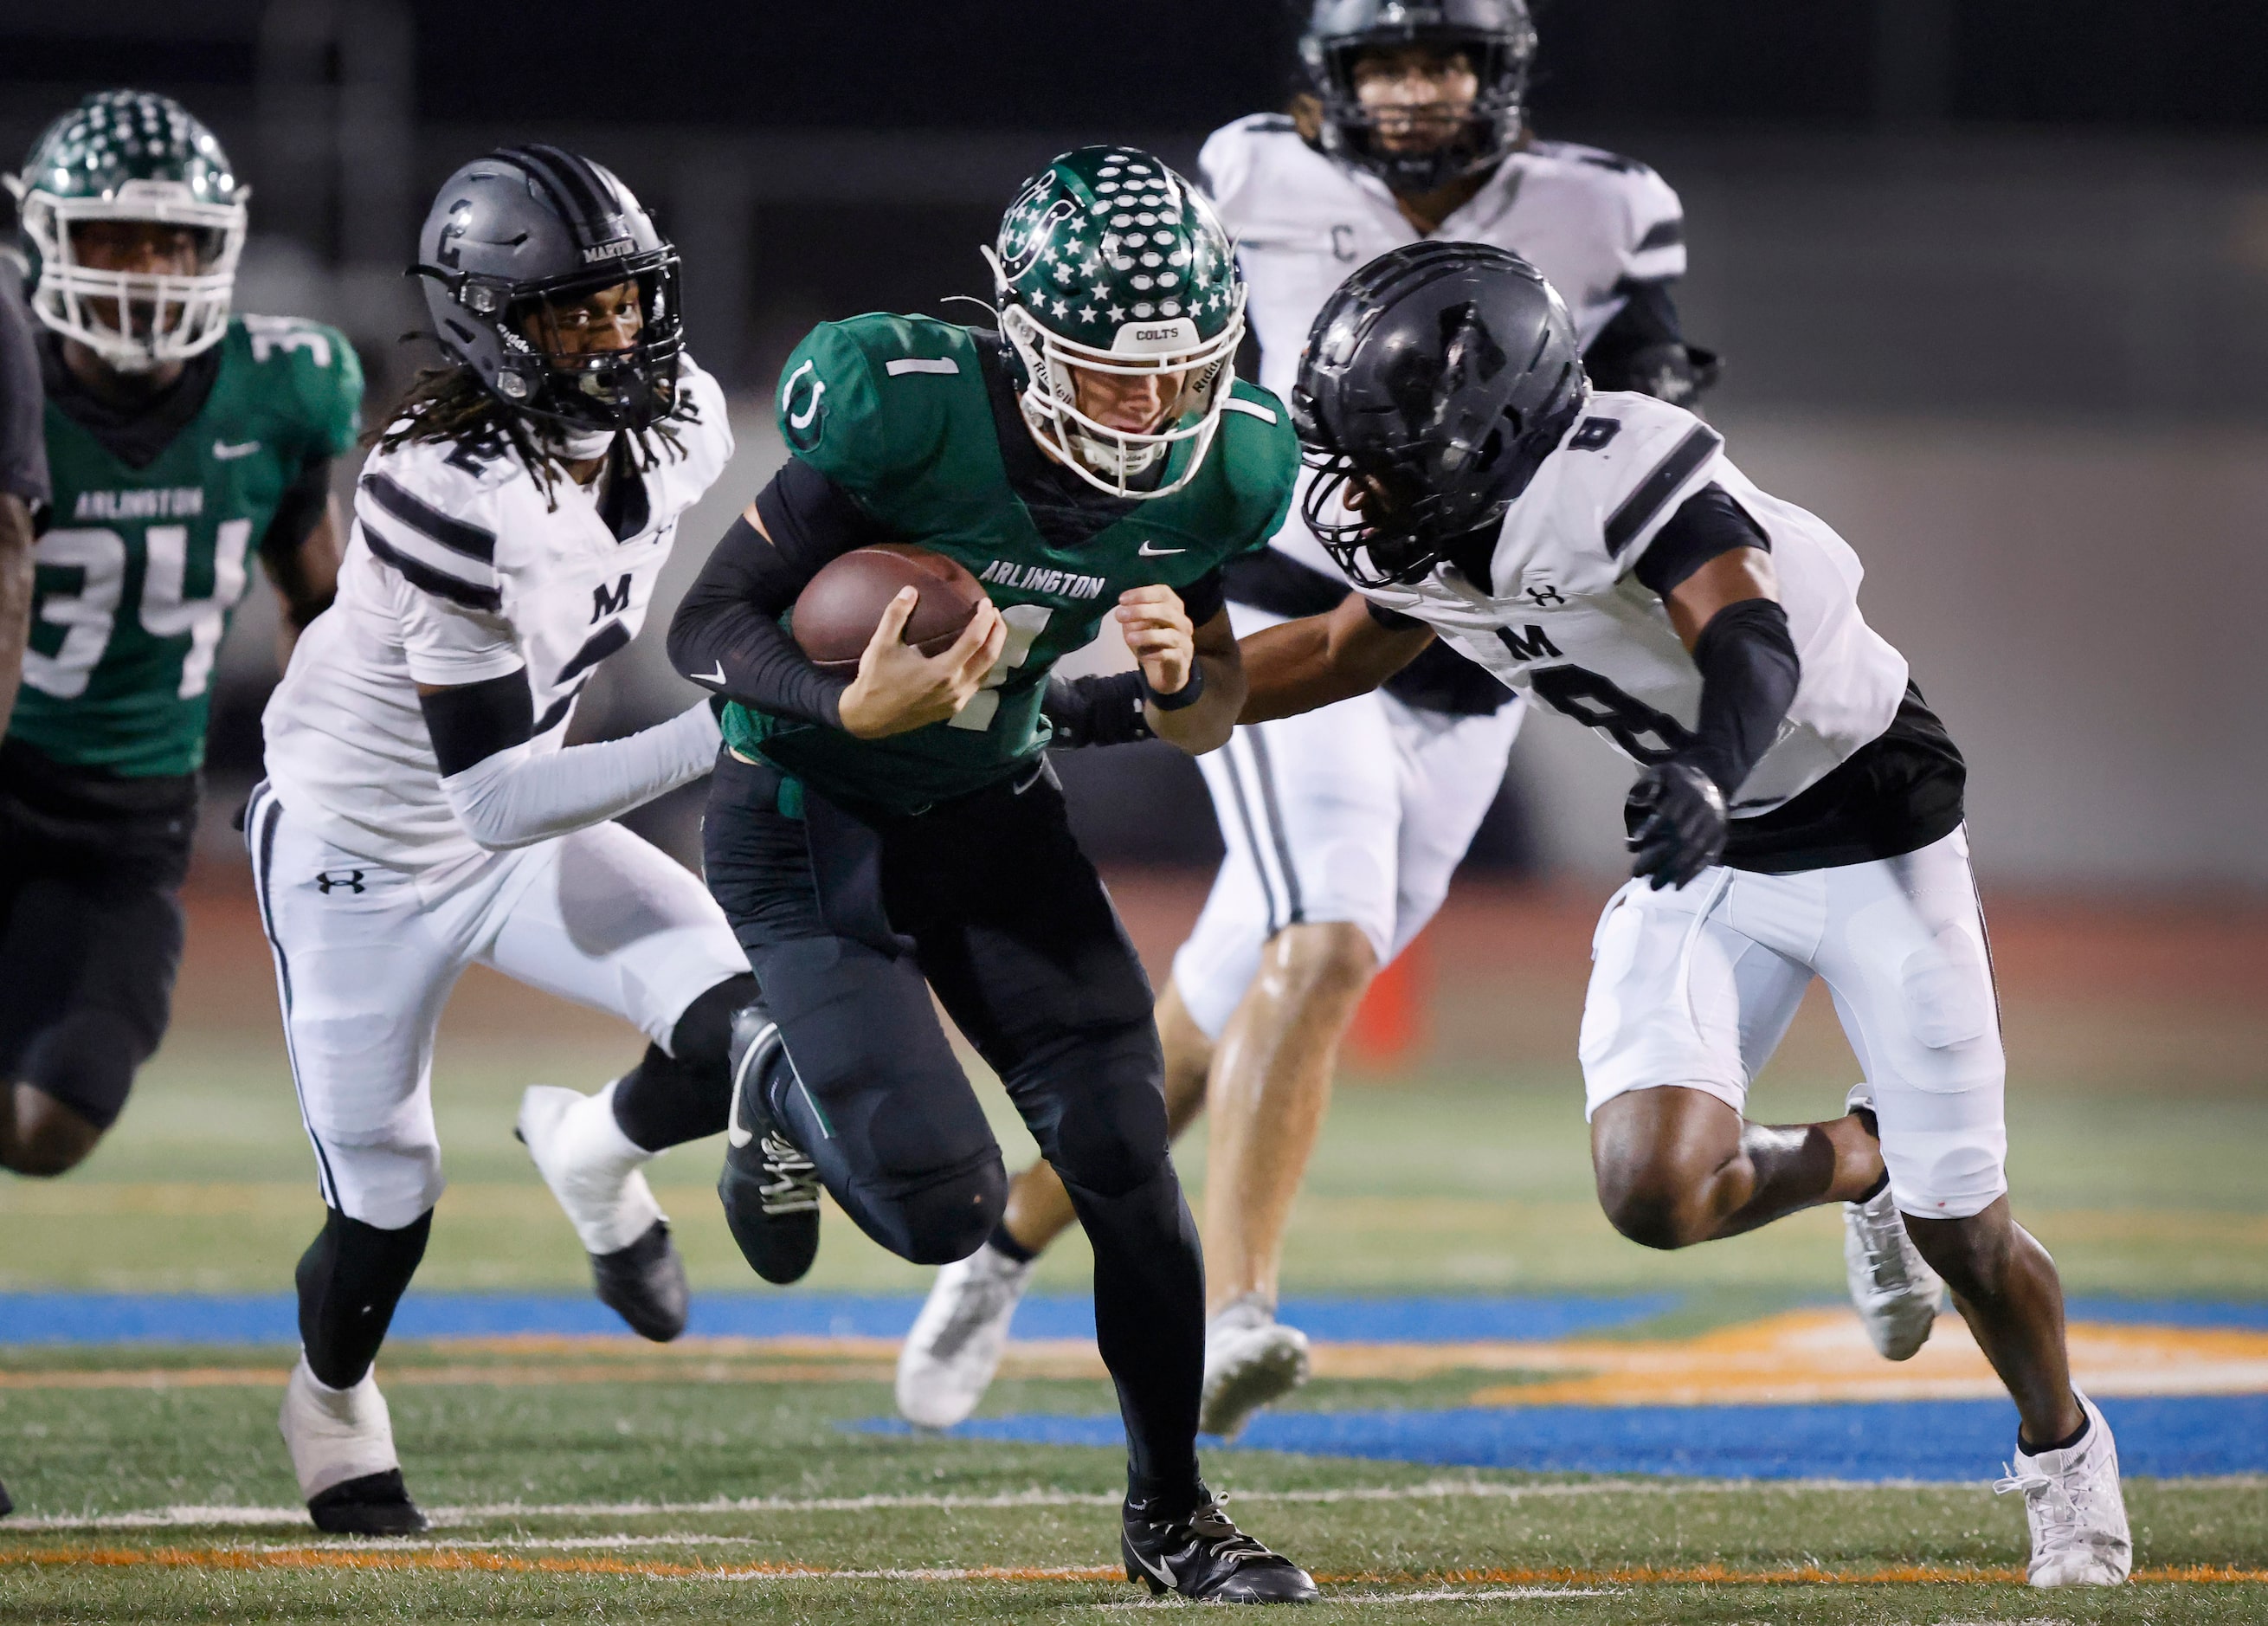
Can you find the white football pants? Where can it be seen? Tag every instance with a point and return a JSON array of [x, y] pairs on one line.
[[1696, 986], [364, 966], [1358, 812]]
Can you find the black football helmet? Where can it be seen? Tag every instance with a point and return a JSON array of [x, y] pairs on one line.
[[510, 232], [1496, 35], [1435, 382]]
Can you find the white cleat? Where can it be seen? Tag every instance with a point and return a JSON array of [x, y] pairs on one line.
[[341, 1446], [1892, 1287], [957, 1340], [596, 1172], [1251, 1359], [2075, 1509]]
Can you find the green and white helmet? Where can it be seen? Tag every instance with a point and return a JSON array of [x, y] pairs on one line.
[[1109, 262], [129, 155]]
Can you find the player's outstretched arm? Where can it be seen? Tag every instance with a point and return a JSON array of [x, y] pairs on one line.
[[506, 795], [1192, 676], [1300, 666], [16, 544]]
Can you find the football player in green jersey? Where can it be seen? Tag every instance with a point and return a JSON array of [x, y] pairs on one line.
[[878, 837], [181, 442]]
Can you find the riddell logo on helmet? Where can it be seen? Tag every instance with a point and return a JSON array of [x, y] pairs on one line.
[[614, 250]]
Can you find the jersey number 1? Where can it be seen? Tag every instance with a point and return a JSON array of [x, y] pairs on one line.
[[1025, 623]]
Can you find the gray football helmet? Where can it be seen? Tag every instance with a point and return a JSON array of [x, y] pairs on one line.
[[1496, 35], [527, 225]]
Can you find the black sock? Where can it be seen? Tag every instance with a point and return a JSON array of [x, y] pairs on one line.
[[2065, 1444], [350, 1278], [1003, 1241], [1877, 1188], [683, 1093], [1149, 1325]]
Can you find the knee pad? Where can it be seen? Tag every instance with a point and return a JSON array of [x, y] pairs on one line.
[[932, 1219], [87, 1061], [1101, 1117], [349, 1279]]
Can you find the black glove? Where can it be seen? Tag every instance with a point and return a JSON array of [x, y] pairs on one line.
[[1676, 816], [1096, 710]]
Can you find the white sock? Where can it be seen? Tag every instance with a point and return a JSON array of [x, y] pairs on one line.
[[596, 1172]]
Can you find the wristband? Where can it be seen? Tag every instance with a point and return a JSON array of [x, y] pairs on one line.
[[1189, 694]]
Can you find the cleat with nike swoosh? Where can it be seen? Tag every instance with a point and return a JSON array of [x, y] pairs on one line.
[[770, 1188], [1202, 1555]]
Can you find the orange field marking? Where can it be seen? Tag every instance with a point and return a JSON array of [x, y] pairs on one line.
[[445, 1559]]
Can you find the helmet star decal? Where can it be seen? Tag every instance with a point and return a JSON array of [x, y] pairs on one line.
[[1110, 262]]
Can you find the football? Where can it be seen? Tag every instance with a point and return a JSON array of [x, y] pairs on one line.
[[837, 612]]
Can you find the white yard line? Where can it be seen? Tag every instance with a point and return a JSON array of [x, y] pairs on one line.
[[191, 1517]]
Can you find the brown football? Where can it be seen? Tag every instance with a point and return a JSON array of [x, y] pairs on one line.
[[837, 610]]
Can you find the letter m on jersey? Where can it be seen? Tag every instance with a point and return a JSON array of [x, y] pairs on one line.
[[605, 601], [1534, 646]]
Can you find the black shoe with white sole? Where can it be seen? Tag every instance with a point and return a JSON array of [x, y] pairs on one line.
[[645, 1284], [375, 1504], [769, 1189], [1202, 1554]]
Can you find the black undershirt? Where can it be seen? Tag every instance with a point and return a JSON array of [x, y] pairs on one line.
[[729, 618]]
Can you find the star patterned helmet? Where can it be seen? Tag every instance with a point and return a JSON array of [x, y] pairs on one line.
[[131, 156], [1109, 262]]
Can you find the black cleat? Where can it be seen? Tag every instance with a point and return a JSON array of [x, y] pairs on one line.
[[1203, 1555], [770, 1190], [645, 1284], [375, 1504]]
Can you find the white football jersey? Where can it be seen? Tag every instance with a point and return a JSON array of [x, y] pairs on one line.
[[1593, 223], [460, 568], [1563, 619]]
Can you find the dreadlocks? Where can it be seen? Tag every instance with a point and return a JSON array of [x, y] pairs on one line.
[[450, 405]]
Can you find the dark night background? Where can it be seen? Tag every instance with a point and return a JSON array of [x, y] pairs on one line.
[[1990, 278]]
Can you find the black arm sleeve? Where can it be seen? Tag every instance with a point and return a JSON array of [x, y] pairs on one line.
[[1748, 673], [1644, 349], [1706, 524], [474, 722], [297, 511], [726, 635]]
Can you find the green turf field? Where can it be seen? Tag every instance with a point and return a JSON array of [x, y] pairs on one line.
[[589, 1483]]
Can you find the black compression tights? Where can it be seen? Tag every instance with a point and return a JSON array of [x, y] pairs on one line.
[[683, 1093]]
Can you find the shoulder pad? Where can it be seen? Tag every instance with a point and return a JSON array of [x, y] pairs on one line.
[[316, 377], [1629, 463], [435, 517], [859, 400]]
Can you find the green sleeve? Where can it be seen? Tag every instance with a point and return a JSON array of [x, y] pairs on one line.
[[1265, 457], [837, 413], [310, 374]]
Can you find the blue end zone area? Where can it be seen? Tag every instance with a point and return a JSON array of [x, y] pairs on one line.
[[272, 1319], [1943, 1441]]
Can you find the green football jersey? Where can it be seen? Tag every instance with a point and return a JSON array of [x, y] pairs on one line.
[[135, 582], [894, 409]]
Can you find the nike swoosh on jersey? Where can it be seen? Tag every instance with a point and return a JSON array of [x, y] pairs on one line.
[[228, 452], [1149, 551]]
